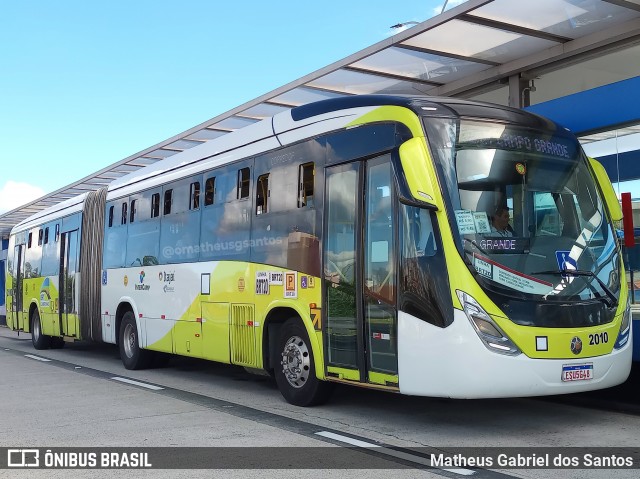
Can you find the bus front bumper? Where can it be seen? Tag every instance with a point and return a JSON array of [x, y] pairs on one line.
[[452, 362]]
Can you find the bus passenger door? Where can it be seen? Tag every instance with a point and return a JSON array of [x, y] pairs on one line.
[[18, 296], [67, 308], [360, 319]]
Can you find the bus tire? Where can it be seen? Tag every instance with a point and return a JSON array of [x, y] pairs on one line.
[[295, 372], [130, 353], [57, 342], [39, 340]]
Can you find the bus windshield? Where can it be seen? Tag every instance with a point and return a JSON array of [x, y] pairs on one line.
[[529, 217]]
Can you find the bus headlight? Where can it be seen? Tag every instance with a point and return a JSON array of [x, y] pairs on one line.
[[488, 331], [625, 328]]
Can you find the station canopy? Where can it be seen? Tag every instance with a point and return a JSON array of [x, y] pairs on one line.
[[470, 51]]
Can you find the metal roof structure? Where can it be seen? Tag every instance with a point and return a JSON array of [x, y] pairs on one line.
[[473, 49]]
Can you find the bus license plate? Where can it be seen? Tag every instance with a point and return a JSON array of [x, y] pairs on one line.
[[577, 372]]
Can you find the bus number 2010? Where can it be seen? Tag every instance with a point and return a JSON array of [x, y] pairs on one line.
[[598, 338]]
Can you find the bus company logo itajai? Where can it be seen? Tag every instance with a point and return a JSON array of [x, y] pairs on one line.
[[576, 345], [167, 278], [141, 286]]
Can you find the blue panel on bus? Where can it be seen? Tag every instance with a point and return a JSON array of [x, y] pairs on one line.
[[325, 106], [595, 109]]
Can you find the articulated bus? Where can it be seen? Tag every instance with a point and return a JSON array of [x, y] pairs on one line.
[[351, 240]]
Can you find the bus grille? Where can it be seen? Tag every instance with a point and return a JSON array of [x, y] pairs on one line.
[[243, 335]]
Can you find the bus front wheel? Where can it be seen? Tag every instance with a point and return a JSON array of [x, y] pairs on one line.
[[133, 357], [295, 372], [39, 340]]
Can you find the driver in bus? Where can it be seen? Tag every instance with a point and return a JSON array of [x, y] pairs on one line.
[[500, 222]]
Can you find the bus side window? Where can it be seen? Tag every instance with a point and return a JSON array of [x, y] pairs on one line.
[[209, 191], [305, 185], [262, 194], [168, 198], [155, 205], [132, 213], [243, 183], [110, 216], [194, 196], [418, 231], [123, 219]]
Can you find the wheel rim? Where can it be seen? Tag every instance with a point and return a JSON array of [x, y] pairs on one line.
[[36, 329], [129, 340], [296, 362]]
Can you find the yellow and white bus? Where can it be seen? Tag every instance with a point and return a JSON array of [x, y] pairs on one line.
[[354, 240]]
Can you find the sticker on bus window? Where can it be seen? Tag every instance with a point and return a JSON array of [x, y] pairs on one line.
[[481, 221], [483, 267], [510, 278], [466, 225], [566, 262]]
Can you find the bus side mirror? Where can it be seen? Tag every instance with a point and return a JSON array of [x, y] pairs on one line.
[[610, 198], [418, 171]]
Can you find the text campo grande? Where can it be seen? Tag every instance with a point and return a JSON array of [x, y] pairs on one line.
[[532, 461], [94, 459]]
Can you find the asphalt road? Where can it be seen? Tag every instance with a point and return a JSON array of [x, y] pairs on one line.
[[81, 396]]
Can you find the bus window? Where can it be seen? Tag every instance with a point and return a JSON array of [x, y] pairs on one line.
[[123, 219], [194, 196], [243, 183], [379, 266], [209, 191], [168, 194], [546, 218], [305, 185], [110, 216], [155, 205], [57, 232], [132, 214], [50, 259], [40, 237], [262, 194]]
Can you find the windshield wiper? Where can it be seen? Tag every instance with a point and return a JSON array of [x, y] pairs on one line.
[[612, 301]]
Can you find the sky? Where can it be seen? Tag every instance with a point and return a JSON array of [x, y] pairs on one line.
[[85, 84]]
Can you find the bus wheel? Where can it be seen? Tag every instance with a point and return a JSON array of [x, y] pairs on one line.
[[295, 374], [132, 356], [39, 340]]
